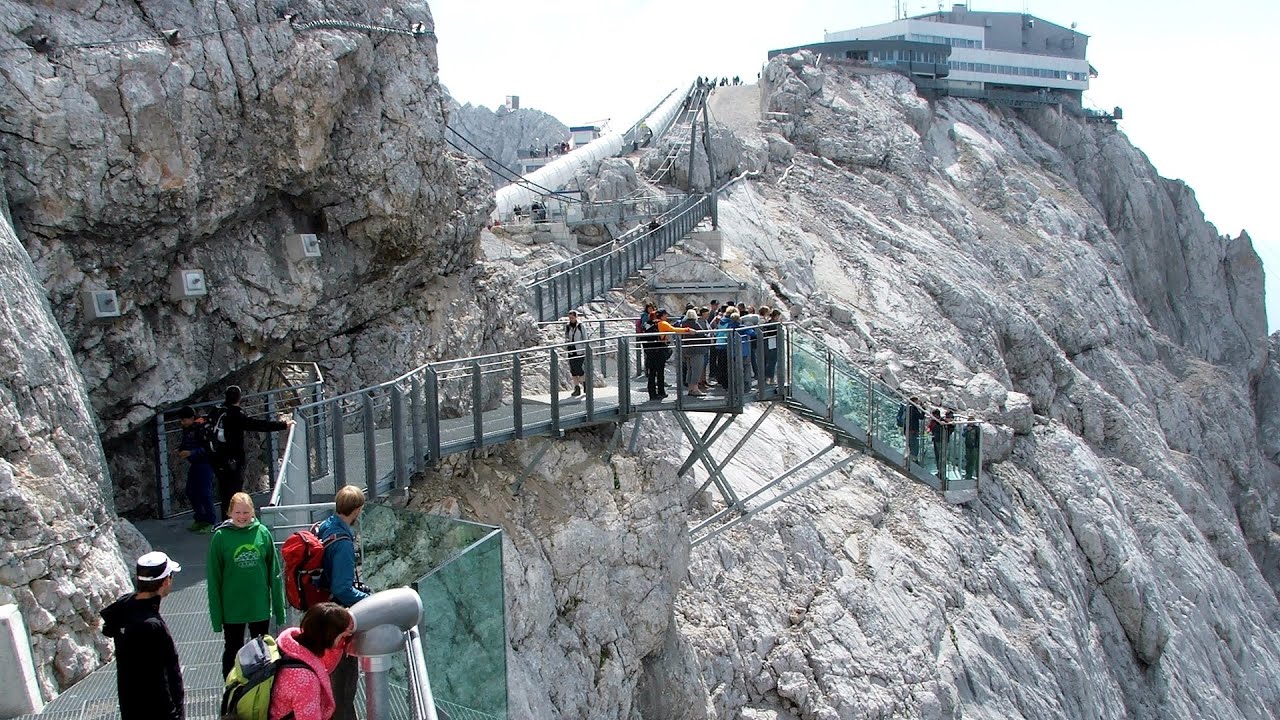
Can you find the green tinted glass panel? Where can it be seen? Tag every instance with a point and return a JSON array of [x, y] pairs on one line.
[[456, 567], [851, 399], [809, 368], [885, 405]]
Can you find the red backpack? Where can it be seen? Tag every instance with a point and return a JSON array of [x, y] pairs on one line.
[[303, 558]]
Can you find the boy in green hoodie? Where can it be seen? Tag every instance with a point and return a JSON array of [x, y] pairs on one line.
[[245, 585]]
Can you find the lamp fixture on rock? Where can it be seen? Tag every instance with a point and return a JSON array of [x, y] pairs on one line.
[[302, 246], [100, 304], [187, 283]]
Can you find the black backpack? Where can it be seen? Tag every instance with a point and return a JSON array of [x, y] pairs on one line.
[[215, 432]]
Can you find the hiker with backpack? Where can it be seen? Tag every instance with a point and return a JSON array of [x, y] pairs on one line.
[[244, 579], [228, 424], [148, 673], [339, 578], [288, 676], [196, 450]]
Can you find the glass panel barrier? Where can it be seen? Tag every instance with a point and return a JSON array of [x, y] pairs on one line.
[[886, 407], [456, 567], [851, 399], [809, 372]]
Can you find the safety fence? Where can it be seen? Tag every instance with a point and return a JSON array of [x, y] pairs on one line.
[[591, 275], [943, 453]]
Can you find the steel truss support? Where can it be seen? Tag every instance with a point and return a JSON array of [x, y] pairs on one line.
[[701, 451], [533, 464], [701, 533]]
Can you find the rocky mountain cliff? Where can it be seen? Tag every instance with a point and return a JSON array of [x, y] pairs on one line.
[[1120, 561], [128, 161], [503, 133], [129, 153]]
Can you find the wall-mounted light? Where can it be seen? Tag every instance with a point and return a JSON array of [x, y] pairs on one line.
[[100, 304], [185, 284], [303, 246]]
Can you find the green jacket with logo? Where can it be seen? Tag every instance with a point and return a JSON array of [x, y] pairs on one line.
[[245, 583]]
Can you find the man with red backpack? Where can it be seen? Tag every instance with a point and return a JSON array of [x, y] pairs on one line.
[[339, 578]]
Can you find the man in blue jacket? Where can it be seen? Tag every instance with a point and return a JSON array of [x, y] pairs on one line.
[[340, 578]]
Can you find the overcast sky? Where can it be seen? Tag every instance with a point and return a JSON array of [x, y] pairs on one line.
[[1193, 78]]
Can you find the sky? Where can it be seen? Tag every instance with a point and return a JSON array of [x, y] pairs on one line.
[[1194, 79]]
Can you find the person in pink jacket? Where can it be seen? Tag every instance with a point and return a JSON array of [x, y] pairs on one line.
[[320, 640]]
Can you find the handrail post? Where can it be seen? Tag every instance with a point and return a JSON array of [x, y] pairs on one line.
[[164, 476], [517, 393], [554, 369], [339, 447], [679, 379], [415, 417], [477, 404], [370, 445], [624, 377], [273, 444], [433, 416], [401, 473], [589, 391]]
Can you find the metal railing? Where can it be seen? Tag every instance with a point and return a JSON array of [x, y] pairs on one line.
[[877, 419], [592, 275], [303, 383]]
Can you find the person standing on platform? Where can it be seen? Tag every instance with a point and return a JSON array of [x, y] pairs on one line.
[[230, 447], [245, 585], [575, 335], [196, 450], [148, 674]]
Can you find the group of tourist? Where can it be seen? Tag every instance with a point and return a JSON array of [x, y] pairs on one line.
[[705, 334], [559, 148], [941, 426], [245, 593]]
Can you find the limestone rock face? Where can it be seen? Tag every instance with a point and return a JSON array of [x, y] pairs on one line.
[[126, 162], [60, 560], [129, 162], [596, 552], [1032, 269], [503, 133]]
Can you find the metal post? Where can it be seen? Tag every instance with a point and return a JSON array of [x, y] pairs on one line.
[[589, 390], [433, 416], [377, 686], [370, 446], [624, 378], [415, 414], [401, 471], [273, 444], [517, 396], [679, 372], [555, 392], [339, 448], [477, 404], [164, 477]]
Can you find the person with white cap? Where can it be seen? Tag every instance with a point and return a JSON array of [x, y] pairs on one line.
[[148, 674]]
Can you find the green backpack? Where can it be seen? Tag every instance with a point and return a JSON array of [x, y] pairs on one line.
[[251, 681]]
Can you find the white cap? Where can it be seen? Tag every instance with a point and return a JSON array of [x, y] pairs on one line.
[[156, 565]]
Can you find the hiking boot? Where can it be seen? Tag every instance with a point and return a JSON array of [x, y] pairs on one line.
[[577, 390], [198, 527]]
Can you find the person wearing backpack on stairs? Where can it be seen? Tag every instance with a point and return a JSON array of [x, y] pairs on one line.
[[244, 580], [229, 425], [339, 578], [321, 641]]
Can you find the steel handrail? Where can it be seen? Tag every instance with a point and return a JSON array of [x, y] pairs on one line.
[[577, 261]]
